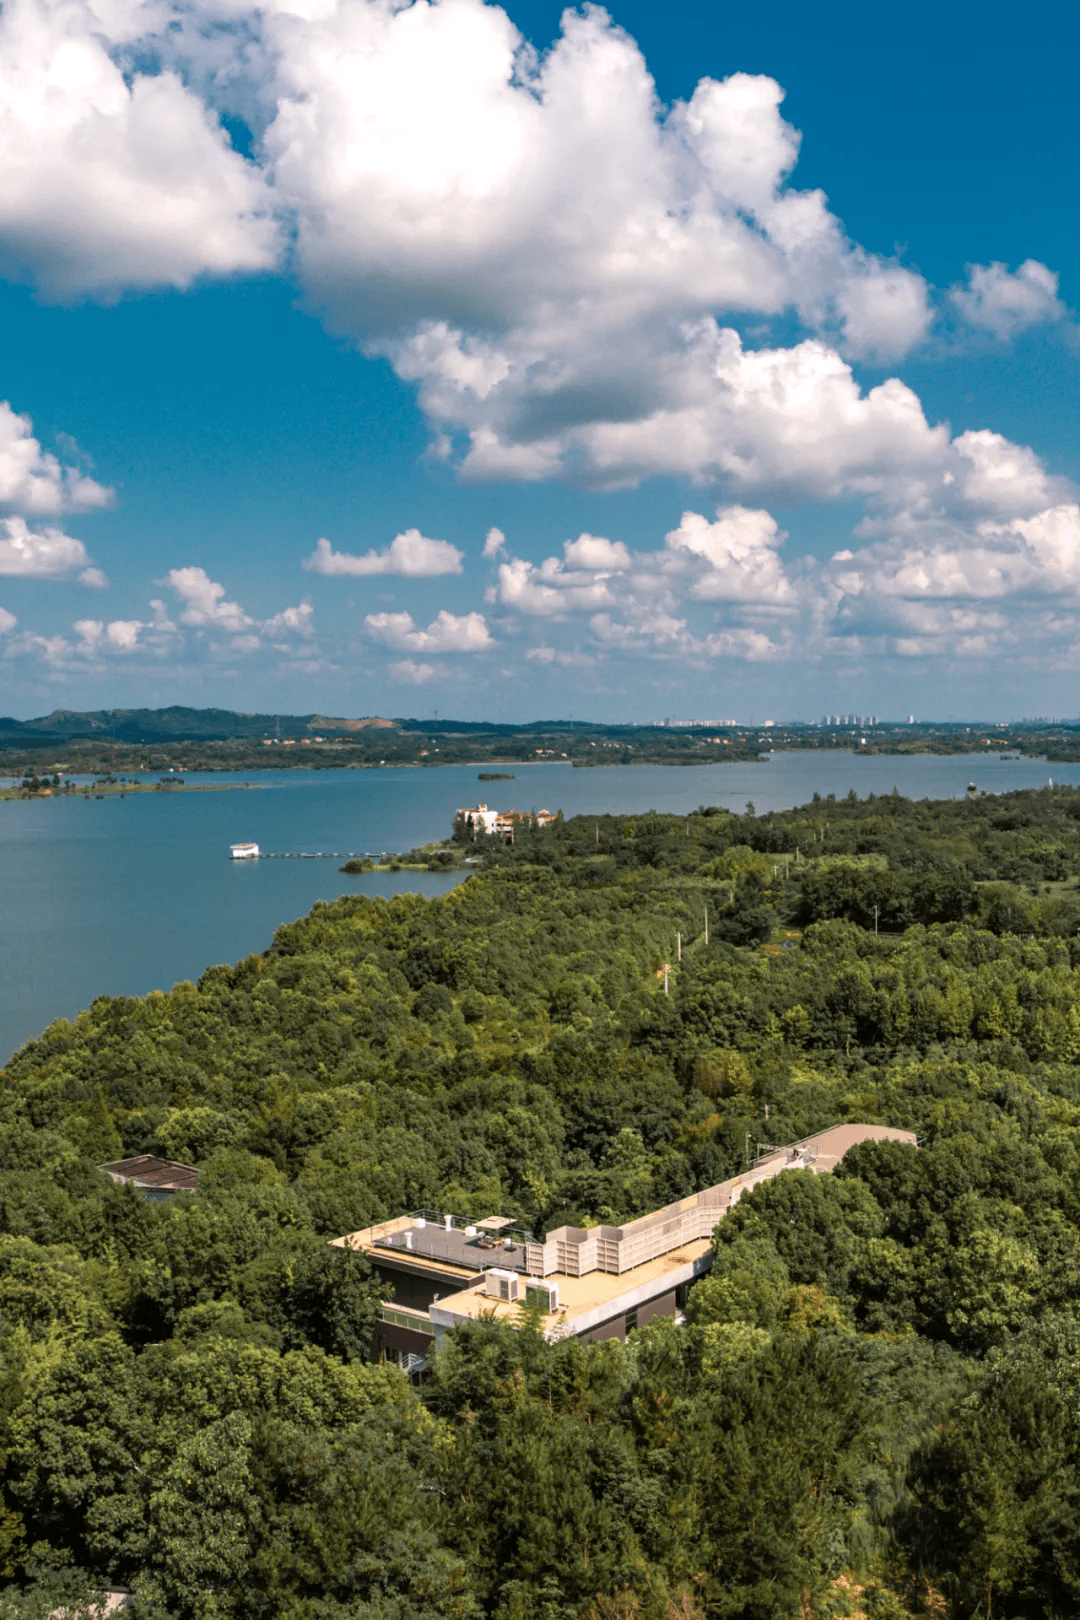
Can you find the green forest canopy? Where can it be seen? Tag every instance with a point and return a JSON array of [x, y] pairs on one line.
[[874, 1406]]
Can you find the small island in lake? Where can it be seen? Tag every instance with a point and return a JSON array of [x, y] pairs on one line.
[[496, 776]]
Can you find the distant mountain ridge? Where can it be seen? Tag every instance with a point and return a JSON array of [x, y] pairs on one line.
[[180, 724], [176, 724]]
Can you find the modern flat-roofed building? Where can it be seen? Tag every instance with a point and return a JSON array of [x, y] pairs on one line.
[[591, 1283]]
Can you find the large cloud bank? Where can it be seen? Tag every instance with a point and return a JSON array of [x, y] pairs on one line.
[[578, 281]]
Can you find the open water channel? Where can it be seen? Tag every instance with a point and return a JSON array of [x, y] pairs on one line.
[[121, 896]]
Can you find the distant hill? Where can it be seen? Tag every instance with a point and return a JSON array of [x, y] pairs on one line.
[[180, 724], [175, 724]]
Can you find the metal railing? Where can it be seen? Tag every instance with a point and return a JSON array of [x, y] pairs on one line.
[[460, 1223]]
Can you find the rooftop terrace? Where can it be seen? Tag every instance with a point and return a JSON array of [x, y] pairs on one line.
[[584, 1302], [475, 1248]]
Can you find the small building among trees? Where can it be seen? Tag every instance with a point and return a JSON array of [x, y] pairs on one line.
[[155, 1178]]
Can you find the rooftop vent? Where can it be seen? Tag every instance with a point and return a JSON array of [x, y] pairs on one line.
[[501, 1284], [539, 1291]]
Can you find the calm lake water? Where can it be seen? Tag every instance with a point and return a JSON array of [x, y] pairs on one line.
[[122, 896]]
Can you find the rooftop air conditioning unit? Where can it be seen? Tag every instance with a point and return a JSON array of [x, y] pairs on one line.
[[501, 1284], [538, 1289]]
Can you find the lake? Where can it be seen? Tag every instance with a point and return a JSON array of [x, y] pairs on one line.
[[122, 896]]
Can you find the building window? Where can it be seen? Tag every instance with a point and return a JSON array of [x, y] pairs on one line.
[[631, 1320]]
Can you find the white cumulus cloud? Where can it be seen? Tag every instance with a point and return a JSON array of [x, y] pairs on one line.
[[578, 581], [8, 621], [549, 254], [49, 553], [204, 600], [788, 420], [988, 589], [416, 674], [123, 634], [205, 607], [114, 179], [494, 543], [884, 310], [120, 635], [410, 554], [527, 237], [32, 480], [550, 589], [446, 633], [1004, 302], [665, 635], [739, 550], [590, 551], [570, 658], [294, 621]]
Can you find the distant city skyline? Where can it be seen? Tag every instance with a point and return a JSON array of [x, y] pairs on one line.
[[373, 360]]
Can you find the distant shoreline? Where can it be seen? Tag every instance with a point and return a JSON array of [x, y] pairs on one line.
[[116, 790], [176, 784]]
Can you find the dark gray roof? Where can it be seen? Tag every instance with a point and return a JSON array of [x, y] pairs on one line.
[[163, 1175], [454, 1248]]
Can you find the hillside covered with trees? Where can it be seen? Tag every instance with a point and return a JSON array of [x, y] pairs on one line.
[[873, 1407]]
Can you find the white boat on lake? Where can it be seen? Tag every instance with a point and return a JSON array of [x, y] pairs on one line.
[[244, 852]]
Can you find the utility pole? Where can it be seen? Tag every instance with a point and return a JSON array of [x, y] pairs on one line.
[[598, 834], [667, 970], [875, 919], [678, 940], [706, 925]]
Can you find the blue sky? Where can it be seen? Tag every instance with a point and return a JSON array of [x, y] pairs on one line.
[[770, 400]]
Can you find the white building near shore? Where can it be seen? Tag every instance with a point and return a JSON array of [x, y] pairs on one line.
[[496, 823]]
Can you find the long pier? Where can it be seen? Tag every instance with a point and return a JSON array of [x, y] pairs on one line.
[[317, 855]]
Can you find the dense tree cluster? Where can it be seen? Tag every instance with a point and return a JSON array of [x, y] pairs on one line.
[[873, 1405]]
